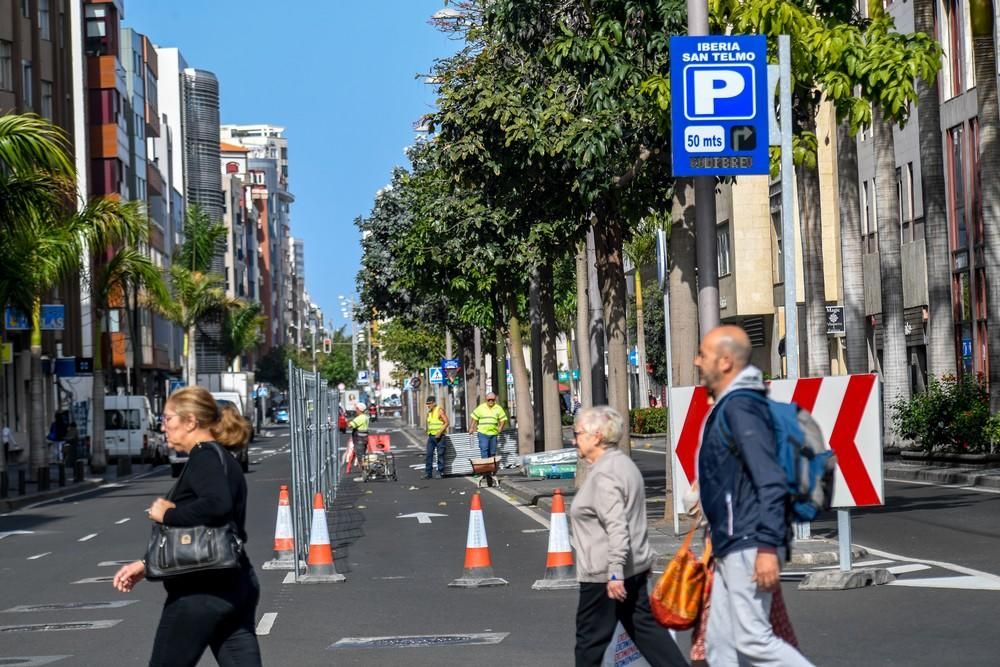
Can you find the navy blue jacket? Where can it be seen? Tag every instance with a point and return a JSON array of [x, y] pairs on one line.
[[743, 494]]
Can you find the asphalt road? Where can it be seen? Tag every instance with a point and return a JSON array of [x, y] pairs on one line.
[[942, 612]]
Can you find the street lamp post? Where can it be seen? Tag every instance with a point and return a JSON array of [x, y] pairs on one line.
[[347, 310]]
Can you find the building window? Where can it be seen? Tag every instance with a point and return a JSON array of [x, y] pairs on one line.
[[102, 30], [43, 19], [26, 78], [722, 250], [956, 163], [869, 228], [47, 99], [26, 9], [6, 65], [955, 54]]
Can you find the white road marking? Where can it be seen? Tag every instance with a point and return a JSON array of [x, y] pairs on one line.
[[8, 533], [534, 530], [912, 567], [289, 578], [87, 537], [37, 556], [95, 580], [114, 563], [121, 521], [266, 622], [960, 487], [864, 563], [963, 583], [516, 504], [960, 569], [650, 451], [34, 660], [421, 517]]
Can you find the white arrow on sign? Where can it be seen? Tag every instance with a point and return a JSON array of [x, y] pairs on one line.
[[422, 517], [15, 532]]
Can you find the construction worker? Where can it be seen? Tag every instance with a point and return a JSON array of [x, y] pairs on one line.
[[359, 431], [487, 421], [437, 427]]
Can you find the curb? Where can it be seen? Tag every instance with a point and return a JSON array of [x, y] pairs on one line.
[[14, 504], [942, 476]]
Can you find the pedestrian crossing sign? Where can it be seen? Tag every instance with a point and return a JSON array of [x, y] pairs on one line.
[[435, 375]]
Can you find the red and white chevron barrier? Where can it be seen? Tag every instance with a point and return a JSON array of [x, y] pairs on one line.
[[847, 409]]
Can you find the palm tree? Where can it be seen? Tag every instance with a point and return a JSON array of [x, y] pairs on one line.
[[941, 346], [851, 250], [127, 271], [895, 369], [196, 296], [242, 330], [44, 235], [989, 143], [641, 251]]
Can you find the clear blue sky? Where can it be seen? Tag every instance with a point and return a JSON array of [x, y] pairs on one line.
[[339, 76]]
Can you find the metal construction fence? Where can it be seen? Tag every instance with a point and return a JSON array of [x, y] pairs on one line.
[[314, 409]]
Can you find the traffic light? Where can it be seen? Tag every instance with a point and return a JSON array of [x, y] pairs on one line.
[[327, 345]]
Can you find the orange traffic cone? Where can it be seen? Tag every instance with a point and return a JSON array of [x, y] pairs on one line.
[[478, 567], [284, 541], [559, 570], [319, 566]]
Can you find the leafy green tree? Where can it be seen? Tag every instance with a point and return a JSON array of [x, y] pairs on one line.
[[273, 368]]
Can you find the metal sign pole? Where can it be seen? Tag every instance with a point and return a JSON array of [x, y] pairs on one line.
[[663, 275]]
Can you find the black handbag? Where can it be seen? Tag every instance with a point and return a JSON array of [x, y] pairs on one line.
[[176, 550]]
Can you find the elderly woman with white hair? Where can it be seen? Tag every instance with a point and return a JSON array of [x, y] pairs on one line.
[[608, 516]]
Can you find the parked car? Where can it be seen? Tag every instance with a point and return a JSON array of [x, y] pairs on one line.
[[281, 416]]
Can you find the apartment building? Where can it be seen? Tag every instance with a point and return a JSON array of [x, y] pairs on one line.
[[267, 169]]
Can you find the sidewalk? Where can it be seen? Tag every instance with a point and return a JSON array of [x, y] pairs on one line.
[[91, 480]]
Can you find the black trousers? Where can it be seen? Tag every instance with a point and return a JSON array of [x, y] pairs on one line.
[[597, 615], [224, 621]]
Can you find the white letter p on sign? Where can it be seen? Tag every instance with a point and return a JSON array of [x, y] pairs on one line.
[[714, 84]]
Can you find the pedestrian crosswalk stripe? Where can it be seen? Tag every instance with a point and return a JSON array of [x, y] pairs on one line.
[[971, 583], [912, 567]]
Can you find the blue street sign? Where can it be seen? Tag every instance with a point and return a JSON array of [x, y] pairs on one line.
[[719, 111], [435, 375], [633, 356], [362, 378], [53, 317], [15, 320], [175, 384]]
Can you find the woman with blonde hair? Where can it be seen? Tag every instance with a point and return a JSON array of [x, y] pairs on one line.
[[214, 608]]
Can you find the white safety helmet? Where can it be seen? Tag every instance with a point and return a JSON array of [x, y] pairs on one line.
[[362, 407]]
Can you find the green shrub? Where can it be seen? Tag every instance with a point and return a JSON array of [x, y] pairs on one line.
[[648, 420], [567, 419], [952, 416]]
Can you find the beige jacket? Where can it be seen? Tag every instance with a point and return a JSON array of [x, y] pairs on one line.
[[608, 518]]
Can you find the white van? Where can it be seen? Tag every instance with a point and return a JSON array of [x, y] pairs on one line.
[[131, 430]]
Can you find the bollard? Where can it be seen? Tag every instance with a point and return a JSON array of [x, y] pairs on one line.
[[123, 465], [22, 481], [78, 471], [43, 478], [4, 485], [62, 474]]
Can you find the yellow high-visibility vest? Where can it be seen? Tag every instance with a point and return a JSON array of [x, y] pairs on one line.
[[488, 419], [435, 421]]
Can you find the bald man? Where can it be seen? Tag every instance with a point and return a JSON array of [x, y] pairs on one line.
[[743, 495]]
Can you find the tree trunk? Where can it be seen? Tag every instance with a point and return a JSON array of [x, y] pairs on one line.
[[811, 231], [611, 278], [192, 359], [537, 375], [583, 329], [895, 365], [941, 355], [478, 377], [500, 369], [597, 338], [522, 391], [642, 399], [37, 447], [683, 285], [98, 449], [135, 329], [989, 164], [852, 250], [551, 414]]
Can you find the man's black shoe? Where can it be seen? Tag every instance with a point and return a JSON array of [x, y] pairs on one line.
[[427, 477]]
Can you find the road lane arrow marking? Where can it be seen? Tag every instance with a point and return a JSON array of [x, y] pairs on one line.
[[422, 517]]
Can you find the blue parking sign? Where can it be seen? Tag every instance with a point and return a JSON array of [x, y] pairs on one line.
[[719, 113]]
